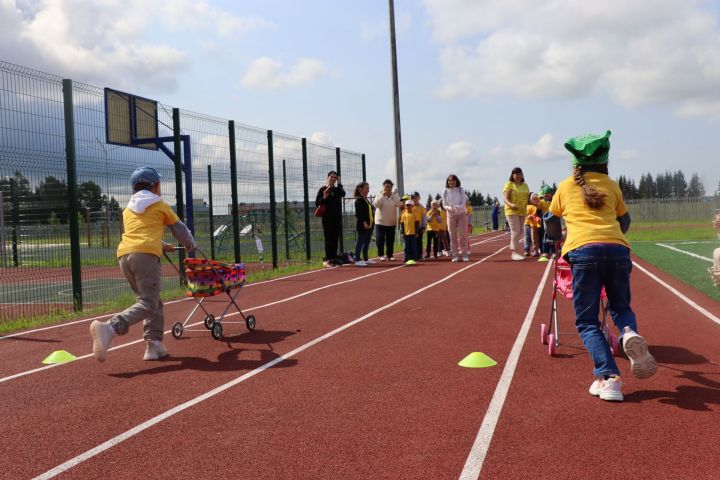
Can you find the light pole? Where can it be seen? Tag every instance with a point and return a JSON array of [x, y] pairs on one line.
[[396, 102]]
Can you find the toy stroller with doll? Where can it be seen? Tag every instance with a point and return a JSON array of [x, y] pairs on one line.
[[562, 284], [206, 278]]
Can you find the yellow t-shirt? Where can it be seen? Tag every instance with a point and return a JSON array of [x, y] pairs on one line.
[[408, 222], [433, 223], [518, 195], [586, 225], [419, 212], [544, 206], [530, 218], [144, 231]]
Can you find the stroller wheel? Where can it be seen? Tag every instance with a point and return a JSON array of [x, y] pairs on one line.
[[614, 345], [544, 334], [551, 344], [250, 322], [209, 322], [217, 331], [177, 330]]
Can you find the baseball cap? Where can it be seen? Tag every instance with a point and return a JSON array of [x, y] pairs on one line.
[[409, 202], [144, 175], [415, 194]]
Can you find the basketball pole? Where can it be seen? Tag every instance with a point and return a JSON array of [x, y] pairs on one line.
[[396, 102]]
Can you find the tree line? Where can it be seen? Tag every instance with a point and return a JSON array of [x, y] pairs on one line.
[[48, 202], [664, 185]]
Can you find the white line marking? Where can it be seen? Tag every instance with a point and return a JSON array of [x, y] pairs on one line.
[[479, 450], [686, 253], [184, 406], [679, 295]]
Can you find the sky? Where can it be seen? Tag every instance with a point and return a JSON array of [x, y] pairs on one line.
[[485, 85]]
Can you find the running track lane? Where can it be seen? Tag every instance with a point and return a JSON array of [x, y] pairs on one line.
[[667, 427], [196, 364], [20, 353]]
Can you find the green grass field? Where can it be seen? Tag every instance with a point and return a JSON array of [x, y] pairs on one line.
[[647, 242]]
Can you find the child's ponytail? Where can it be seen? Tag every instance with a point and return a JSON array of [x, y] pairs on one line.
[[593, 198]]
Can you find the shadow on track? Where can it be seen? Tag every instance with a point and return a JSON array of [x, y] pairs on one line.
[[227, 361]]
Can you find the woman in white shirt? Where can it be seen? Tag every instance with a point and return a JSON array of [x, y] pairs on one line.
[[386, 218], [454, 199]]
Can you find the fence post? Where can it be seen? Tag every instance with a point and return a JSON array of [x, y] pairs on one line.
[[306, 199], [234, 192], [210, 213], [72, 194], [273, 216], [285, 213], [179, 204], [363, 168], [342, 203], [2, 231]]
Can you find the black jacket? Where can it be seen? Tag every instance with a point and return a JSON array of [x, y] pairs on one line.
[[333, 204], [362, 213]]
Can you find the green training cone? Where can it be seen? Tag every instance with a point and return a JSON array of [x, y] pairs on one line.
[[59, 356], [477, 360]]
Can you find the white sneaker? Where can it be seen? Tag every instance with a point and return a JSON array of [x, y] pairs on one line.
[[369, 262], [155, 350], [455, 259], [609, 390], [383, 258], [360, 263], [642, 364], [102, 334], [517, 256], [466, 258]]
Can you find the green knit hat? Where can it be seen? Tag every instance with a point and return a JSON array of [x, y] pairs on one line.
[[545, 189], [589, 149]]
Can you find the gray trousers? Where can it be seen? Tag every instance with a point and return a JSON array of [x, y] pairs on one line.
[[142, 271]]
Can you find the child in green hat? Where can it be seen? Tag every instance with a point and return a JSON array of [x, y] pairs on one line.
[[599, 255]]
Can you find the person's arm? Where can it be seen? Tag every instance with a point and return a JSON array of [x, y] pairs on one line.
[[340, 189], [180, 231], [320, 198], [624, 221], [507, 197]]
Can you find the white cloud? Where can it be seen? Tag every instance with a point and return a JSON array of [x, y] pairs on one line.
[[108, 41], [322, 138], [266, 73], [640, 52]]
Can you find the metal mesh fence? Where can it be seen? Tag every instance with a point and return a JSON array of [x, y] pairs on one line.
[[35, 237]]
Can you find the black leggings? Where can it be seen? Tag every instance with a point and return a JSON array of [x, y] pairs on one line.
[[385, 237], [332, 230]]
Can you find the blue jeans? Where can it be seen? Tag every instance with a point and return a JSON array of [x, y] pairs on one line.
[[363, 243], [595, 266]]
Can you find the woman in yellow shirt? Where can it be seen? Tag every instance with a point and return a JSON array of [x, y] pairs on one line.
[[515, 194], [597, 218]]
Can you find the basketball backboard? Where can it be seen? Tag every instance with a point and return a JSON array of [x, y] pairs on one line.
[[129, 118]]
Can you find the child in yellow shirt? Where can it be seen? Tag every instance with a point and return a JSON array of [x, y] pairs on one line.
[[409, 228], [144, 221], [435, 228], [597, 218]]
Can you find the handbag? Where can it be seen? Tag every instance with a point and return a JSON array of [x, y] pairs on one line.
[[320, 210]]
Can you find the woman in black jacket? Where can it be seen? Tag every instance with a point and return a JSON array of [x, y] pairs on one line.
[[364, 213], [331, 197]]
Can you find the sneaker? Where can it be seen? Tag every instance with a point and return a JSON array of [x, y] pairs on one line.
[[527, 254], [360, 263], [445, 253], [642, 364], [102, 334], [391, 259], [609, 390], [466, 258], [369, 262], [517, 256], [455, 259], [328, 263], [410, 262], [383, 258], [155, 350]]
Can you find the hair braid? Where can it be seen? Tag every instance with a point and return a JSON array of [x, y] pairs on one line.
[[593, 198]]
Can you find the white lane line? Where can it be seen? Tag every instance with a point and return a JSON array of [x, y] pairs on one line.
[[184, 406], [686, 253], [28, 332], [134, 342], [479, 450], [679, 295]]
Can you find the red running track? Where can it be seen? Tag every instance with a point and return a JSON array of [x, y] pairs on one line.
[[360, 380]]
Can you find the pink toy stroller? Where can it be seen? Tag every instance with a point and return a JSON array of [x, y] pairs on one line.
[[562, 283]]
